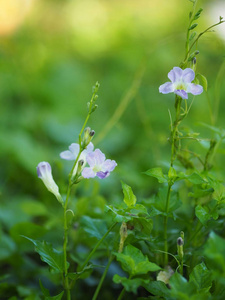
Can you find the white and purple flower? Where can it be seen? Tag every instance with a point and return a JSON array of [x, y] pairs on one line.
[[99, 165], [73, 152], [181, 83], [44, 172]]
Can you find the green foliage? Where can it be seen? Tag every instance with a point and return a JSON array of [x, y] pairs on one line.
[[49, 255], [134, 262], [129, 197], [157, 173]]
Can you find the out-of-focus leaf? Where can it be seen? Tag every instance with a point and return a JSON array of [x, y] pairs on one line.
[[131, 285], [27, 229], [201, 277], [202, 213], [48, 254], [157, 288], [129, 197], [94, 227]]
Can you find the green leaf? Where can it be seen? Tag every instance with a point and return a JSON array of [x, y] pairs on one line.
[[49, 255], [94, 227], [203, 81], [43, 289], [192, 36], [214, 251], [201, 277], [129, 197], [157, 288], [118, 215], [157, 173], [194, 178], [57, 297], [180, 288], [134, 262], [202, 213], [130, 285], [198, 13]]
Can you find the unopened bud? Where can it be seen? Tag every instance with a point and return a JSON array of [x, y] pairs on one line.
[[88, 135], [92, 132], [180, 241]]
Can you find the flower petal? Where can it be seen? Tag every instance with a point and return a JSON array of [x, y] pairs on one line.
[[88, 173], [188, 75], [102, 175], [90, 147], [109, 165], [195, 89], [67, 155], [175, 74], [74, 148], [166, 88], [181, 93]]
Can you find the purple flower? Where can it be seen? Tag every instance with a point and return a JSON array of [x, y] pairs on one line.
[[181, 83], [99, 166], [44, 172], [73, 152]]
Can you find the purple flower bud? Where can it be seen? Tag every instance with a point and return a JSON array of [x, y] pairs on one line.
[[181, 83], [44, 172]]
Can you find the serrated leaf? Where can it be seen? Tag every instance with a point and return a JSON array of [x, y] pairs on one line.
[[129, 197], [49, 255], [94, 227], [130, 285], [134, 262], [201, 277], [157, 173]]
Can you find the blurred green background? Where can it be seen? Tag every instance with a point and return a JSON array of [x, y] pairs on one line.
[[51, 54]]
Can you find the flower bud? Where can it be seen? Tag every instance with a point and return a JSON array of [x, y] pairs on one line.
[[88, 135], [44, 172]]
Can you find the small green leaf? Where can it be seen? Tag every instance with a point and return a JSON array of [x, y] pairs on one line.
[[129, 197], [157, 173], [202, 213], [49, 255], [130, 285], [118, 215], [134, 262], [193, 26], [192, 36], [43, 289]]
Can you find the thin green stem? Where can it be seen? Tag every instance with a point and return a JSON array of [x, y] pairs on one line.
[[174, 149], [97, 245], [165, 225], [66, 280], [123, 291], [102, 278]]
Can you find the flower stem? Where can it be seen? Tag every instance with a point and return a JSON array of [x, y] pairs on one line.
[[65, 242], [102, 278], [174, 149]]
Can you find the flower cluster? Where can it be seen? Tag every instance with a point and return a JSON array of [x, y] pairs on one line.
[[98, 166], [181, 83]]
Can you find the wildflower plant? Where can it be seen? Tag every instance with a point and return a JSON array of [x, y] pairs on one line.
[[152, 240]]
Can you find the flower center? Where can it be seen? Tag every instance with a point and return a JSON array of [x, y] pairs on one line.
[[181, 86], [97, 169]]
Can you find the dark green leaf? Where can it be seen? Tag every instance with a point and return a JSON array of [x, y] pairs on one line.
[[193, 26], [201, 277], [94, 227], [48, 254], [131, 285], [157, 288]]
